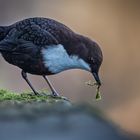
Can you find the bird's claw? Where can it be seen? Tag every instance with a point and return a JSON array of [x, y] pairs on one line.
[[55, 94]]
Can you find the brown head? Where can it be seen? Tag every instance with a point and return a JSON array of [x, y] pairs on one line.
[[93, 57]]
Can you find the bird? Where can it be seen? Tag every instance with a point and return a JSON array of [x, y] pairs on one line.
[[44, 46]]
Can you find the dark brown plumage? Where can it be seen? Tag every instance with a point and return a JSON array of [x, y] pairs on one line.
[[44, 46]]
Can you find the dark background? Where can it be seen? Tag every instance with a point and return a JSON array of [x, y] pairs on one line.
[[115, 25]]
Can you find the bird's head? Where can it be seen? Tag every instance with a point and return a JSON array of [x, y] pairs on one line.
[[94, 58]]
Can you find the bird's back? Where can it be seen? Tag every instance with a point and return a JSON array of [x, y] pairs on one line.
[[26, 54], [61, 32], [28, 40]]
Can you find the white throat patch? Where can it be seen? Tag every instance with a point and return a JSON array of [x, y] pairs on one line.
[[56, 59]]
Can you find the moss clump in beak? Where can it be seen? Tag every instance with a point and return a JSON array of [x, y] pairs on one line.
[[98, 95]]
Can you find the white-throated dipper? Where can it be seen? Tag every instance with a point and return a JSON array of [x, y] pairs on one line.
[[43, 46]]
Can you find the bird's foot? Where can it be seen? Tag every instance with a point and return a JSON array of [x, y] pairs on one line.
[[56, 95], [53, 95], [37, 94]]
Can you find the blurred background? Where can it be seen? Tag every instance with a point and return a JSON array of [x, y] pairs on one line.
[[115, 25]]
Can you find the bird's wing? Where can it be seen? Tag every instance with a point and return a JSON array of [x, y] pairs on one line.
[[27, 39], [9, 42], [37, 35]]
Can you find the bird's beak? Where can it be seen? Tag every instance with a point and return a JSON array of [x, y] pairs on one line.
[[97, 79]]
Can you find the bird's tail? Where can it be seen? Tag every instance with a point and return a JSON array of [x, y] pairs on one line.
[[10, 41], [6, 46], [3, 31], [3, 50]]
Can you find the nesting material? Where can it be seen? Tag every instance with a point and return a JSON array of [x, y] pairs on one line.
[[98, 95]]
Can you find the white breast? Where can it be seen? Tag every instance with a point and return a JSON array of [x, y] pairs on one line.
[[56, 59]]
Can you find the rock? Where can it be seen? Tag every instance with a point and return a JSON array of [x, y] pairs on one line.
[[41, 121], [24, 117]]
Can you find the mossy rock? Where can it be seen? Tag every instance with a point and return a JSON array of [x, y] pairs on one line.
[[29, 97], [45, 117], [27, 105]]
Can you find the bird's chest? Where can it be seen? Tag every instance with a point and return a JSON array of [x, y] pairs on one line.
[[56, 59]]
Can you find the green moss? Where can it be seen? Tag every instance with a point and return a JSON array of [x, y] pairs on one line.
[[98, 95], [8, 95]]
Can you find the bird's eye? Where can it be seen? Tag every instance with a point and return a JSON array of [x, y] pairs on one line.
[[91, 59]]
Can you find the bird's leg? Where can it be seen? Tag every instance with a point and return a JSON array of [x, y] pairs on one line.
[[24, 75], [54, 92]]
